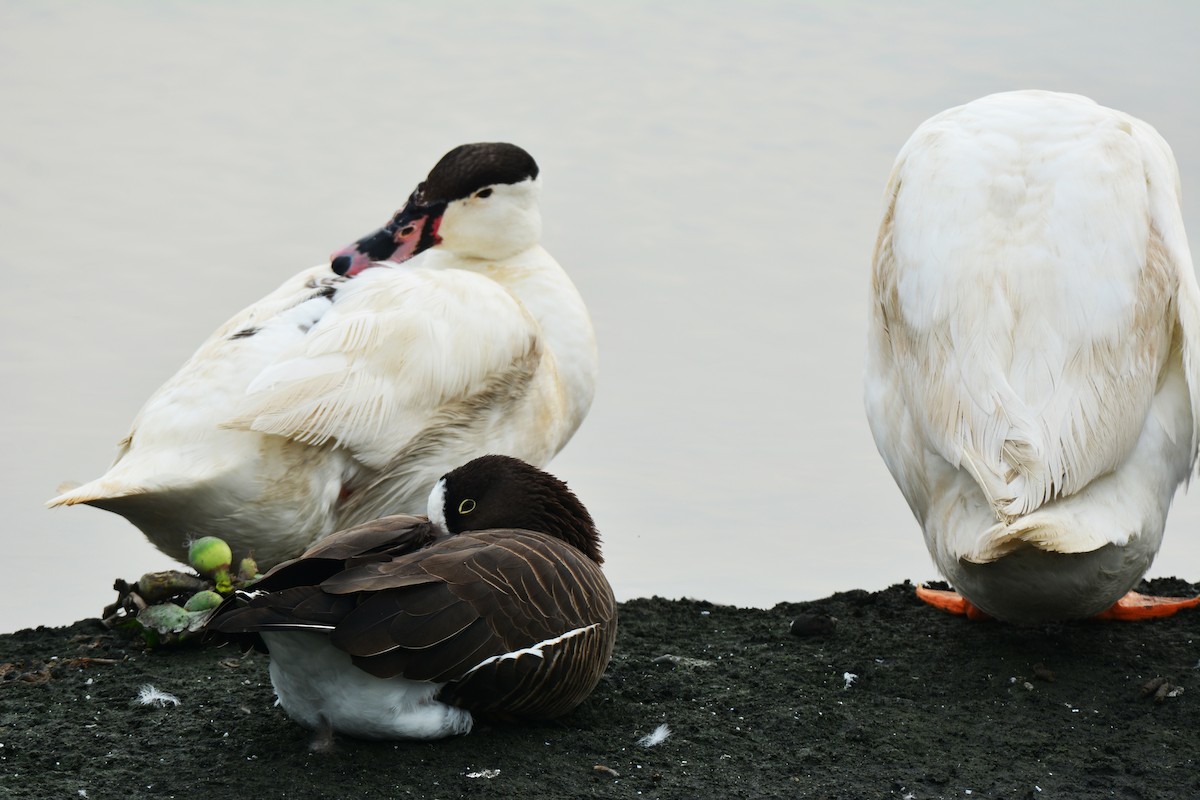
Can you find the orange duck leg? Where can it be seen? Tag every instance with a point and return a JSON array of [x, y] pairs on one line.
[[1130, 608]]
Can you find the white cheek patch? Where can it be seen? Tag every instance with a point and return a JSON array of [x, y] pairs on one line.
[[534, 650], [436, 511]]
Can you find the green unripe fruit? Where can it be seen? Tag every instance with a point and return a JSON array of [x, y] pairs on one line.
[[209, 555], [202, 601], [247, 568]]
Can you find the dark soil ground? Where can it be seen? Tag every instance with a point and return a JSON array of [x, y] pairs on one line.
[[940, 708]]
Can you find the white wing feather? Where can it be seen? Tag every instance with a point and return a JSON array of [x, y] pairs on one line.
[[396, 346]]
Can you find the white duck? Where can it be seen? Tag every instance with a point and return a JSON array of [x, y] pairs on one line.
[[345, 394], [1032, 375]]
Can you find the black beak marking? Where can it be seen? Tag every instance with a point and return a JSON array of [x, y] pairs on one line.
[[377, 246]]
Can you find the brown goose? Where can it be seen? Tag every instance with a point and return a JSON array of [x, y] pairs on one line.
[[406, 627]]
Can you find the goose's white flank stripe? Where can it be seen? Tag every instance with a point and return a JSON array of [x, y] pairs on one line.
[[534, 650]]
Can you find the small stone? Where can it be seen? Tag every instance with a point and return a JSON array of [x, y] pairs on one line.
[[813, 625], [681, 661], [1160, 689], [1042, 672]]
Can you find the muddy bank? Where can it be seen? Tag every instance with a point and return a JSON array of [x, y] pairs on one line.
[[937, 708]]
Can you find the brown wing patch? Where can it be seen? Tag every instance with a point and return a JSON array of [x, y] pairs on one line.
[[412, 618], [380, 540]]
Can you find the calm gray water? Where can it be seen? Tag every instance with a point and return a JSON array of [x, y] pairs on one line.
[[713, 180]]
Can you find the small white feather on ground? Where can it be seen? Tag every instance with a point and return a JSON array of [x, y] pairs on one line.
[[656, 736], [149, 696]]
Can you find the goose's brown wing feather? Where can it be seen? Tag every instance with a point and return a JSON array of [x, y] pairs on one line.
[[382, 539], [519, 590], [472, 645], [537, 595], [415, 616], [289, 597], [561, 619], [396, 534], [297, 608]]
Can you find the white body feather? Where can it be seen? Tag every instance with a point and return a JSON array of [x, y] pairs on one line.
[[1031, 371], [319, 687], [312, 411]]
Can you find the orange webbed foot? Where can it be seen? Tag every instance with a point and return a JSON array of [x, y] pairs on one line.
[[951, 602], [1136, 606]]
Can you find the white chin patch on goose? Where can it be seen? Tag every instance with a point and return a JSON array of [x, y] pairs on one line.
[[436, 511]]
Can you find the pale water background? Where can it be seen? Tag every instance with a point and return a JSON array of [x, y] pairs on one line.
[[713, 181]]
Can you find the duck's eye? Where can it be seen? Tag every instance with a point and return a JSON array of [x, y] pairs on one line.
[[466, 506], [406, 230], [484, 193]]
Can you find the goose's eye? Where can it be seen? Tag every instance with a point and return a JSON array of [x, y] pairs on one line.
[[466, 506], [484, 193]]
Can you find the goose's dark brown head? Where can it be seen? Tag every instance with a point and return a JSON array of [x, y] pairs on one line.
[[504, 492]]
